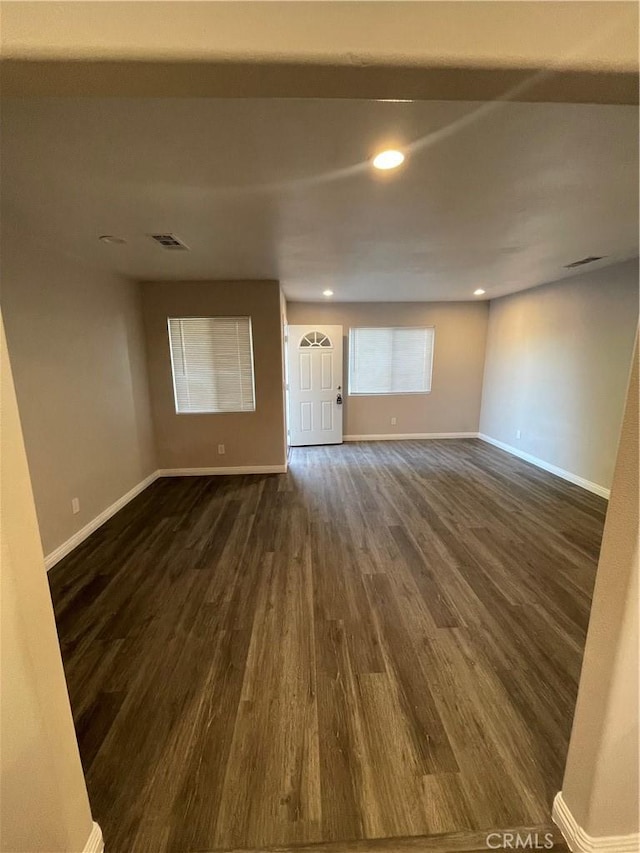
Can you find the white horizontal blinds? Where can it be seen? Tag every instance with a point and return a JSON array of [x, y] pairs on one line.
[[411, 360], [370, 360], [212, 362], [390, 360]]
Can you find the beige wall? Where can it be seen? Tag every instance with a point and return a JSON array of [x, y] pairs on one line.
[[454, 402], [43, 799], [191, 441], [557, 365], [601, 786], [77, 349]]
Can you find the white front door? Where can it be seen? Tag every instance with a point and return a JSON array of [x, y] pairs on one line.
[[314, 377]]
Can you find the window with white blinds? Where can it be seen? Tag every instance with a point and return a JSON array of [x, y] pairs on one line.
[[212, 364], [390, 360]]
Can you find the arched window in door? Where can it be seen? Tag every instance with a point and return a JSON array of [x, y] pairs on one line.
[[315, 339]]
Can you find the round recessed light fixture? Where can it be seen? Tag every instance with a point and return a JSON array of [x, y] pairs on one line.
[[390, 159], [479, 292], [327, 292], [111, 238]]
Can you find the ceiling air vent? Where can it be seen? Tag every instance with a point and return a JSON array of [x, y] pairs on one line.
[[584, 261], [170, 241]]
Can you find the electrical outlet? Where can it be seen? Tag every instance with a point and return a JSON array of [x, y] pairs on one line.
[[221, 449], [75, 506], [394, 421], [518, 433]]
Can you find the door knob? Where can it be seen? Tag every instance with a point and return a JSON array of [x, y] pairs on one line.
[[339, 399]]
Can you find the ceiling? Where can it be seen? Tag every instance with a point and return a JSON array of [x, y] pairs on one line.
[[499, 196]]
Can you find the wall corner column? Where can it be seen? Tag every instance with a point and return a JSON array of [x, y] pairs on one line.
[[44, 802], [597, 808]]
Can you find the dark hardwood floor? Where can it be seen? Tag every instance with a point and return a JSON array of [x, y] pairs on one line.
[[384, 642]]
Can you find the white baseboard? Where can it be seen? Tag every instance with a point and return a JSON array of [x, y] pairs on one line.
[[95, 842], [547, 466], [62, 550], [409, 436], [212, 472], [580, 841]]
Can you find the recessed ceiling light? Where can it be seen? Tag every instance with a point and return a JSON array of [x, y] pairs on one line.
[[327, 292], [390, 159], [478, 292], [111, 238]]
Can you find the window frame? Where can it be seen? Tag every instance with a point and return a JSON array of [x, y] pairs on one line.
[[351, 393], [253, 367]]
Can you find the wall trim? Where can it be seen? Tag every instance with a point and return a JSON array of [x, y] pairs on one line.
[[580, 841], [409, 436], [213, 472], [95, 842], [547, 466], [79, 536]]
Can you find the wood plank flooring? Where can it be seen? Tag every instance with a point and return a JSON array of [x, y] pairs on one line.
[[384, 642]]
